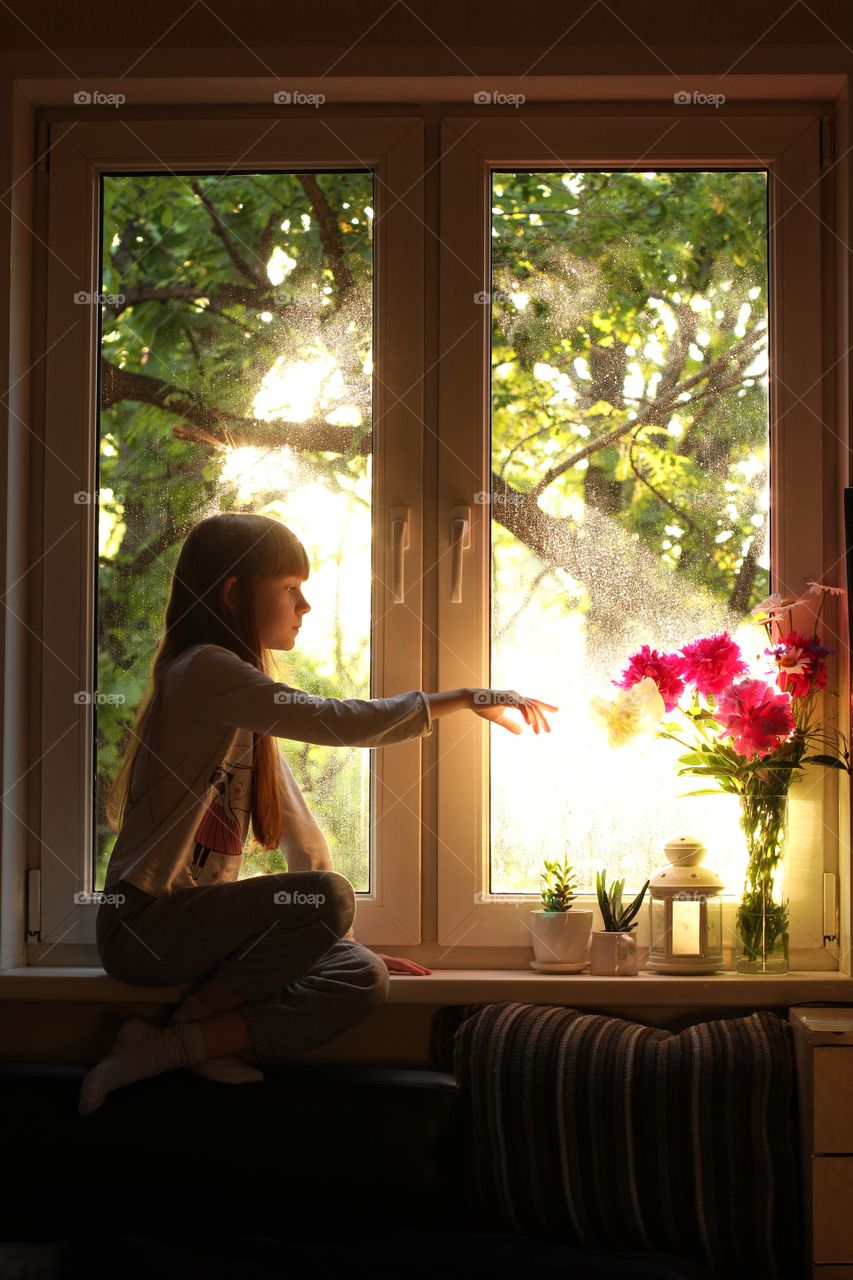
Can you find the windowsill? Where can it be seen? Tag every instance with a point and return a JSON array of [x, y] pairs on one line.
[[463, 986]]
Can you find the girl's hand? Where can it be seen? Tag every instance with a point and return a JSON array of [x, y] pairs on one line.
[[396, 964], [492, 705]]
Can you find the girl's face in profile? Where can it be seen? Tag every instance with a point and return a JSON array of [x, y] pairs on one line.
[[279, 609]]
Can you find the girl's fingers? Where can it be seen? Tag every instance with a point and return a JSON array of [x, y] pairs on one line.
[[538, 718], [537, 704]]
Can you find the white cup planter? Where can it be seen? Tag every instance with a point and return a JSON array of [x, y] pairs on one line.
[[561, 937]]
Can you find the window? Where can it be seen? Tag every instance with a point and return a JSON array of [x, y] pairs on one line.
[[588, 268], [202, 283], [586, 274]]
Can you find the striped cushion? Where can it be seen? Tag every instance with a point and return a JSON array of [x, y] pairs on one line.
[[591, 1130]]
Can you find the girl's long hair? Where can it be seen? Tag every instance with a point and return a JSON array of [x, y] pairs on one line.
[[221, 546]]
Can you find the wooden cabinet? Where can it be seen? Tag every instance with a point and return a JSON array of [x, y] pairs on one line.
[[823, 1045]]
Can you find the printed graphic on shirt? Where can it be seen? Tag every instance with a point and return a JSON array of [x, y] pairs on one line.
[[221, 834]]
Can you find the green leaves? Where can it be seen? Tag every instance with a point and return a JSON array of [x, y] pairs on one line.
[[611, 276], [830, 762], [559, 885], [616, 918]]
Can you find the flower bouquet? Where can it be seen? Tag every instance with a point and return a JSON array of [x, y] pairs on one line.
[[749, 734]]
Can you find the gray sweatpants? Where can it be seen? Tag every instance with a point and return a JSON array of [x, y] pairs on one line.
[[276, 940]]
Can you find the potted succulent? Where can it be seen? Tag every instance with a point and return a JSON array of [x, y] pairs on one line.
[[617, 919], [560, 932], [613, 949]]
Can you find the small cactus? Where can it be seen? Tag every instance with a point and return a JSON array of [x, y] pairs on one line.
[[559, 886], [617, 919]]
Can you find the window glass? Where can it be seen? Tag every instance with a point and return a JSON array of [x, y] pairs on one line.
[[235, 344], [629, 491]]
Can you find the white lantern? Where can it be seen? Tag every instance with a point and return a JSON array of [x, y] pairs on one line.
[[687, 912]]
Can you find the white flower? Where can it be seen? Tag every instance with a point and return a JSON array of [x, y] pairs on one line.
[[630, 712], [776, 604]]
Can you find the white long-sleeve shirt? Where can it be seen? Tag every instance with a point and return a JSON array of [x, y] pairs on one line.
[[188, 826]]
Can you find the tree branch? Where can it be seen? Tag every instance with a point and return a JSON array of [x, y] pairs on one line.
[[329, 235], [225, 236], [652, 411], [218, 428]]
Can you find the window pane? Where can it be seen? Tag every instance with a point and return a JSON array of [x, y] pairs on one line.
[[236, 344], [629, 492]]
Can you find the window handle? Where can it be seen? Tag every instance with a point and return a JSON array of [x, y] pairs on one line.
[[460, 541], [400, 540]]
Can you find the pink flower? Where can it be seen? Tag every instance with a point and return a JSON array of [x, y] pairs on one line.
[[800, 660], [754, 716], [712, 662], [816, 588], [664, 668]]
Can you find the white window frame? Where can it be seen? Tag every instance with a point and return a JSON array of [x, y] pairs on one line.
[[79, 154], [806, 458], [453, 934]]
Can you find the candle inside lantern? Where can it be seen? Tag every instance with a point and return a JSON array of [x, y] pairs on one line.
[[686, 920]]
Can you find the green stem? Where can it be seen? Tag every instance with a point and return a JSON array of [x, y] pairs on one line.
[[762, 917]]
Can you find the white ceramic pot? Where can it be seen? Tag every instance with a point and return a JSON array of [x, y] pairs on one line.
[[616, 954], [560, 937]]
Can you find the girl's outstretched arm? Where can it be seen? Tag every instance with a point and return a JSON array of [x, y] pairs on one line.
[[214, 685]]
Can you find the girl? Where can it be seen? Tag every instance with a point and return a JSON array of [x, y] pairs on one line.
[[273, 962]]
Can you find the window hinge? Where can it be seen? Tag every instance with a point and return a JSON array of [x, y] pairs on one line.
[[830, 908], [34, 904], [827, 142], [42, 164]]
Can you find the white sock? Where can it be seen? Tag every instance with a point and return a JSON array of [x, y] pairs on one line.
[[231, 1070], [141, 1050]]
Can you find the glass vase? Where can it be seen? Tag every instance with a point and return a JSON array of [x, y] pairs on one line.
[[761, 929]]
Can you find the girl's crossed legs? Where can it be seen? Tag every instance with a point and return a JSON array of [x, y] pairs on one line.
[[270, 946]]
